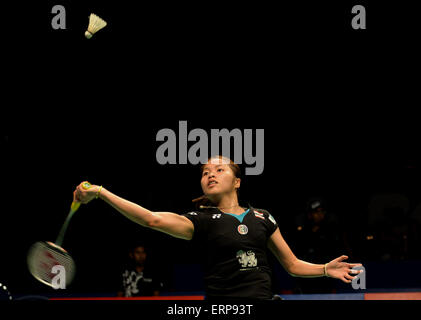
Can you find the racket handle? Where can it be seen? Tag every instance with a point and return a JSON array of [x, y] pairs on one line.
[[73, 208], [75, 204], [86, 185]]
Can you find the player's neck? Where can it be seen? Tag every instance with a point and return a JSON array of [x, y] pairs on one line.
[[229, 205]]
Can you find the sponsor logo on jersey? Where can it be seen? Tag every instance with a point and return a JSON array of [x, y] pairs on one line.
[[247, 259], [192, 213], [216, 216], [259, 215], [242, 229]]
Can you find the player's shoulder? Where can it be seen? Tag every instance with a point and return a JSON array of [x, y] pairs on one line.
[[264, 214], [197, 213], [260, 211], [191, 213]]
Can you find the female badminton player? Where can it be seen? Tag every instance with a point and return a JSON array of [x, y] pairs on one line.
[[235, 238]]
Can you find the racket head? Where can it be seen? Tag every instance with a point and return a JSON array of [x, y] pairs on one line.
[[43, 256]]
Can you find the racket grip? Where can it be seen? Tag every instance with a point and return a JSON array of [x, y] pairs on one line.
[[75, 205], [86, 185]]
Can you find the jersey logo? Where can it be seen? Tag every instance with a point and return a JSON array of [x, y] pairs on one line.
[[259, 215], [242, 229], [192, 213], [272, 219], [247, 259], [216, 216]]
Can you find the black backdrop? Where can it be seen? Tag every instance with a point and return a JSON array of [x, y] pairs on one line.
[[338, 107]]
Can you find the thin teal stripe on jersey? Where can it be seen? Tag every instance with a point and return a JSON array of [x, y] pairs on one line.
[[239, 217]]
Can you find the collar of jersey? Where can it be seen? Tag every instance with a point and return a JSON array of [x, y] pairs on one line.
[[239, 217]]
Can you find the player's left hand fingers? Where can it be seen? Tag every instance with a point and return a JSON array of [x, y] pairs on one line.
[[354, 271], [346, 280], [341, 258], [348, 277]]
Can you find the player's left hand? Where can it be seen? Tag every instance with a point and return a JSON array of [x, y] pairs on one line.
[[342, 270]]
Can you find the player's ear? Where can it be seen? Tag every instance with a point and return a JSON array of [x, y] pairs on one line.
[[237, 183]]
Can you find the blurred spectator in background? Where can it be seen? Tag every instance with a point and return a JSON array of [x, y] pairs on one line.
[[137, 278], [393, 228], [317, 237]]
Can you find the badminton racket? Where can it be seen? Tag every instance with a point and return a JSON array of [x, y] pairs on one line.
[[46, 259]]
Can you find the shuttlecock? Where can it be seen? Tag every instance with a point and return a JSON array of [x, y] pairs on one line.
[[95, 24]]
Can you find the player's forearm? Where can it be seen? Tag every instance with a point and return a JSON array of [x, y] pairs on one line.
[[305, 269], [129, 209]]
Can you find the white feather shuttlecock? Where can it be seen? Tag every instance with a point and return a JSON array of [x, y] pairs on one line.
[[95, 24]]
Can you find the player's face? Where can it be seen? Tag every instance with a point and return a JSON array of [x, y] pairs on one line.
[[218, 178]]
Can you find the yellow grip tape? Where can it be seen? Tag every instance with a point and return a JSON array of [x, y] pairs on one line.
[[75, 205], [86, 185]]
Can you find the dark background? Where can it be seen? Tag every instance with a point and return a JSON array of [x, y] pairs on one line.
[[339, 109]]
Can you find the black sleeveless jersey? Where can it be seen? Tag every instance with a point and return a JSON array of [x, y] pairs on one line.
[[235, 249]]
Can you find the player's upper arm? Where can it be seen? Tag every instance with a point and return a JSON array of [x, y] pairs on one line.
[[281, 250], [173, 224]]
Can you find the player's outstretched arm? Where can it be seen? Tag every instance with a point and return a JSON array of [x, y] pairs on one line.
[[170, 223], [299, 268]]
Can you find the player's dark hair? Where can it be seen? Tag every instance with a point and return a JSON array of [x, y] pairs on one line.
[[235, 168]]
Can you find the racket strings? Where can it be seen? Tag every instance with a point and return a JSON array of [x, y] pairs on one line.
[[43, 258]]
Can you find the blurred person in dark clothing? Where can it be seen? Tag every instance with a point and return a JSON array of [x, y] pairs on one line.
[[317, 236], [137, 279]]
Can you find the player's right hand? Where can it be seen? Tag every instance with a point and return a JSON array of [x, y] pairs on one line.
[[85, 193]]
